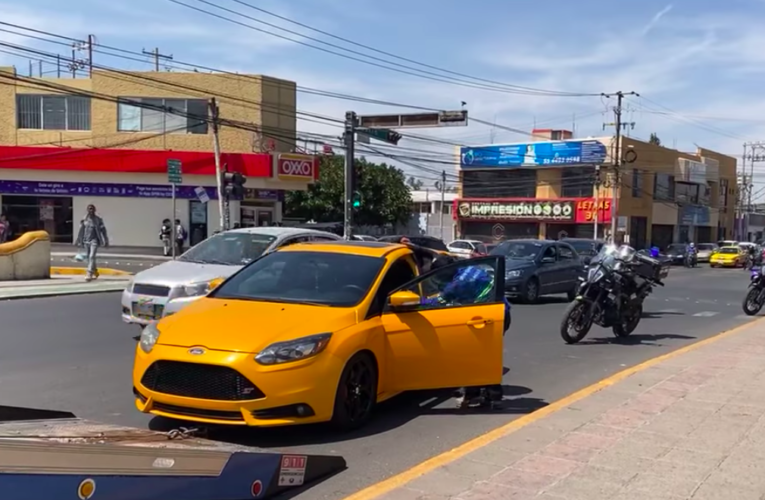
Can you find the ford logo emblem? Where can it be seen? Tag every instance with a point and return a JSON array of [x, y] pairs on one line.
[[196, 351]]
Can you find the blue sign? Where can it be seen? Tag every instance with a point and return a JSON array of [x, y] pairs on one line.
[[33, 188], [534, 154], [693, 215]]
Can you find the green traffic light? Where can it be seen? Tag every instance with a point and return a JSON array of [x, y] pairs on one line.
[[356, 203]]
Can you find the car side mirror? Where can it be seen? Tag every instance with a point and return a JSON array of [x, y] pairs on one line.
[[548, 260], [403, 300], [216, 283]]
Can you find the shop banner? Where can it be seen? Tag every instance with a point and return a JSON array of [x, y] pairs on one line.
[[534, 154], [33, 188], [528, 210], [585, 211]]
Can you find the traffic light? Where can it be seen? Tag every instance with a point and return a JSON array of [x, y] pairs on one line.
[[357, 182], [233, 185], [356, 199]]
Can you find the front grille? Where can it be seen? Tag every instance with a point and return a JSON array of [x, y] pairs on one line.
[[233, 416], [152, 290], [195, 380]]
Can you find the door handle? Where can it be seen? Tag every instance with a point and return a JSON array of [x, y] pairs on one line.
[[478, 322]]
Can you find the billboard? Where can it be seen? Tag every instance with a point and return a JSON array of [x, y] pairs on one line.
[[579, 211], [534, 154]]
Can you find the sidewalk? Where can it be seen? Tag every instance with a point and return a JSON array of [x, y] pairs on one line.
[[120, 252], [688, 425], [60, 285]]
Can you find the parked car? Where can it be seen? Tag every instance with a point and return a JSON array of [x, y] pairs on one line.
[[170, 286], [705, 251], [466, 249], [676, 253], [586, 248], [539, 267]]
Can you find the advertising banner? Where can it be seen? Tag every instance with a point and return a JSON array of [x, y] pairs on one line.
[[693, 215], [291, 167], [526, 210], [586, 210], [534, 154], [34, 188]]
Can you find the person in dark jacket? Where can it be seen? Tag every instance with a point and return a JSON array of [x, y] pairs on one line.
[[91, 237]]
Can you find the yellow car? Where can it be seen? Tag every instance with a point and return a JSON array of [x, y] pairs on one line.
[[728, 257], [321, 332]]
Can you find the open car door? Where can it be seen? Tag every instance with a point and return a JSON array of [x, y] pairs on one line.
[[445, 329]]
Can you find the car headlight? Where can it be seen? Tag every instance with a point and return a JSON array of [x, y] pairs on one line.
[[293, 350], [149, 337], [513, 274], [196, 289]]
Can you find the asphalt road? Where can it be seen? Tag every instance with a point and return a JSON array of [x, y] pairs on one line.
[[73, 353]]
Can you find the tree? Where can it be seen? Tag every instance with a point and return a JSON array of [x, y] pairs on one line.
[[414, 183], [654, 139], [385, 196]]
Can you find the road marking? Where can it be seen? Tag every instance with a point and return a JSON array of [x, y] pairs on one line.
[[387, 485], [706, 314]]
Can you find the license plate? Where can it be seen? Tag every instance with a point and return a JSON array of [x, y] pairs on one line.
[[147, 310]]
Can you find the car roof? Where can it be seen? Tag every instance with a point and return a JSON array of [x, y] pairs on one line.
[[367, 248], [279, 231]]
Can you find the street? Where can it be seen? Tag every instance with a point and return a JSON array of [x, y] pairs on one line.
[[73, 353]]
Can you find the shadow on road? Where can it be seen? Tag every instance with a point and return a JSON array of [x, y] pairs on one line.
[[557, 299], [635, 339], [657, 315], [389, 415]]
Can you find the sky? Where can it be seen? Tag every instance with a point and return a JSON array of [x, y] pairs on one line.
[[697, 65]]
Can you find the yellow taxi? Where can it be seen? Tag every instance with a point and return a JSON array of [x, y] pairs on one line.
[[320, 332], [730, 256]]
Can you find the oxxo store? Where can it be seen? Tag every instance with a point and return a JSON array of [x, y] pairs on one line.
[[523, 218], [49, 188]]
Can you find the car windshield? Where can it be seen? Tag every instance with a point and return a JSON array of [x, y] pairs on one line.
[[584, 248], [316, 278], [518, 250], [676, 248], [229, 249], [729, 250], [706, 246]]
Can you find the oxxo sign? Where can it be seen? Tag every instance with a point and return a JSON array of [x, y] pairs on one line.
[[295, 167]]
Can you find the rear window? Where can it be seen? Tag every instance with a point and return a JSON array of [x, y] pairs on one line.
[[729, 250], [706, 246]]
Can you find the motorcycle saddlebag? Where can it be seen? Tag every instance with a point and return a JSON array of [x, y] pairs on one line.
[[651, 269]]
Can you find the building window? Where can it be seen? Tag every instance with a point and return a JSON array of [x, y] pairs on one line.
[[637, 183], [664, 187], [577, 182], [687, 193], [52, 112], [182, 116], [502, 183]]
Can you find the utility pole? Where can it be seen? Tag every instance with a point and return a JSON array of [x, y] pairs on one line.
[[617, 159], [349, 137], [597, 203], [223, 207], [157, 56], [442, 186]]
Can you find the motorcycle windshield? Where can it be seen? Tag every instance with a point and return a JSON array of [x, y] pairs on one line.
[[606, 256]]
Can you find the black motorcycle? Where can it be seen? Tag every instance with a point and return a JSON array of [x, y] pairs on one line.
[[612, 294], [755, 297]]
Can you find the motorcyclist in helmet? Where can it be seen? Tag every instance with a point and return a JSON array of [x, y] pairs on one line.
[[470, 285], [690, 257]]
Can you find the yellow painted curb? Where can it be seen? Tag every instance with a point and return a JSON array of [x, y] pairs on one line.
[[81, 271], [387, 485]]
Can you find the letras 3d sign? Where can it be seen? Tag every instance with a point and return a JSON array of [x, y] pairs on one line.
[[531, 210]]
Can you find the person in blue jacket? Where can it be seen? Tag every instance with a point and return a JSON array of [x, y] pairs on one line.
[[470, 285]]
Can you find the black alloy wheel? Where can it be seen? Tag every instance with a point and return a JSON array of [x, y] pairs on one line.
[[531, 291], [356, 394], [752, 302], [629, 321], [576, 320]]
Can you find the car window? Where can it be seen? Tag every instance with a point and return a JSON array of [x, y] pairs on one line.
[[399, 274], [518, 250], [481, 248], [294, 240], [321, 237], [549, 252], [431, 243], [676, 248], [464, 283], [233, 249], [585, 248], [729, 250], [565, 252], [706, 246], [461, 245], [322, 278]]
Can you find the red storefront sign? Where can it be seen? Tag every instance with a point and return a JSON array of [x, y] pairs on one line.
[[130, 160], [586, 210], [559, 210], [290, 166]]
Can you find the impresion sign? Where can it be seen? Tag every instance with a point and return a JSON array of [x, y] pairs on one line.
[[290, 166], [531, 210]]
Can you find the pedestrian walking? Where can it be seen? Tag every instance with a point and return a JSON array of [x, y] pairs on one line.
[[5, 228], [180, 237], [91, 237]]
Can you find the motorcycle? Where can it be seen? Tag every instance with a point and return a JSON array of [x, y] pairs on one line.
[[611, 296], [755, 297], [691, 260]]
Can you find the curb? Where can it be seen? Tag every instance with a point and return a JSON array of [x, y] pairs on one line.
[[59, 293], [125, 256], [81, 271]]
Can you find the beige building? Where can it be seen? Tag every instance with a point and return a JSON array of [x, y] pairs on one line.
[[68, 142]]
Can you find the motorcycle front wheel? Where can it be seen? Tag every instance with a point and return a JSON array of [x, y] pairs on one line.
[[752, 302], [576, 318], [629, 321]]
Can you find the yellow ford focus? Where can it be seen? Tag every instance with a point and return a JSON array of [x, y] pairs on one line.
[[321, 332], [727, 257]]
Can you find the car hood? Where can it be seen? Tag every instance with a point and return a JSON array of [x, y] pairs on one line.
[[177, 272], [248, 326]]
